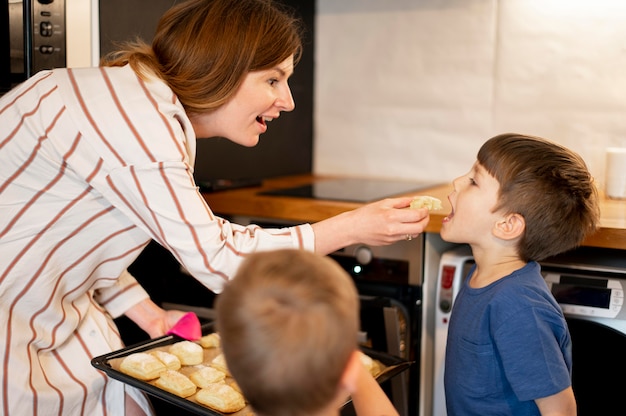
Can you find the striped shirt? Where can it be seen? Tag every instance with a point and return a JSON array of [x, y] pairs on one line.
[[94, 163]]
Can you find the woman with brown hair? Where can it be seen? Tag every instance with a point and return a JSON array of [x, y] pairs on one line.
[[96, 162]]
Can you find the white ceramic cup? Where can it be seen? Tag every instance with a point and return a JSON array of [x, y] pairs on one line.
[[616, 172]]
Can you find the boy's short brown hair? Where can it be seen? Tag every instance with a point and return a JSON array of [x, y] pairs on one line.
[[288, 322], [549, 185]]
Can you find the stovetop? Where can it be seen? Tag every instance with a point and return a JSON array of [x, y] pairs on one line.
[[353, 189]]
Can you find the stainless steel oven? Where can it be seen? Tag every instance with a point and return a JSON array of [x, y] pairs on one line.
[[32, 38], [389, 281]]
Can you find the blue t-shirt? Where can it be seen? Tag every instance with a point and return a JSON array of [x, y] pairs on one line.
[[508, 344]]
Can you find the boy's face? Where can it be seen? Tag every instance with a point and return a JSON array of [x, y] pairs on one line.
[[472, 219]]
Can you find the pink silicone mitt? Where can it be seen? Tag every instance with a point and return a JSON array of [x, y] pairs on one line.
[[187, 327]]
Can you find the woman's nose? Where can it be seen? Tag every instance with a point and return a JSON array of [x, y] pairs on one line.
[[285, 100]]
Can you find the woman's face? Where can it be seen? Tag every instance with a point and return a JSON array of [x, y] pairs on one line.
[[260, 98]]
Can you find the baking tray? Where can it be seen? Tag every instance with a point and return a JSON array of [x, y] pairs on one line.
[[393, 366]]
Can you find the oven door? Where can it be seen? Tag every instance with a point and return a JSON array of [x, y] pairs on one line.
[[597, 351], [391, 323]]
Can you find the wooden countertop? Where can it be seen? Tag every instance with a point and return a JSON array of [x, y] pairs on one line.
[[246, 202]]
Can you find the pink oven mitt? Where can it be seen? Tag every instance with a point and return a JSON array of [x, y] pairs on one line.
[[187, 327]]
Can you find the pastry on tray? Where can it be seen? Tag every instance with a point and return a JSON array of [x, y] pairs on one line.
[[204, 375], [176, 383], [219, 363], [189, 353], [142, 365], [211, 340], [221, 397], [170, 360]]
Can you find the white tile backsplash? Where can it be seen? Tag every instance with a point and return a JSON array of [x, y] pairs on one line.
[[410, 90]]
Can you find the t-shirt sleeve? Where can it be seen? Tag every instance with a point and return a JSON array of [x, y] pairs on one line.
[[530, 346]]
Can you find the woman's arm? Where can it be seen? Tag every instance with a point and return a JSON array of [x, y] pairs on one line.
[[154, 320], [378, 223]]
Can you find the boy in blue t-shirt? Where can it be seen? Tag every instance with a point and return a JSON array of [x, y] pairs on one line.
[[509, 348]]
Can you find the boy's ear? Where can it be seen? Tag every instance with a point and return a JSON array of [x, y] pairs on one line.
[[351, 372], [510, 227]]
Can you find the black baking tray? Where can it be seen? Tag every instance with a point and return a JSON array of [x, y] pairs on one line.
[[394, 366]]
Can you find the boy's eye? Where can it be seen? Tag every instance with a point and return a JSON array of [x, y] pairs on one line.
[[273, 81], [472, 181]]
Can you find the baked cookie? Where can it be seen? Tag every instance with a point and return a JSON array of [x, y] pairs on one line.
[[210, 341], [189, 353], [425, 201], [219, 363], [372, 365], [203, 375], [142, 366], [170, 360], [221, 397], [176, 383]]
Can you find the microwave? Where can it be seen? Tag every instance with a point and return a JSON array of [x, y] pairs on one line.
[[32, 38]]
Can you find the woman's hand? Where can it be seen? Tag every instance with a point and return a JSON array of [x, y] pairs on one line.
[[378, 223], [154, 320]]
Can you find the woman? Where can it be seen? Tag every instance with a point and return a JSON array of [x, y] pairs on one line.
[[96, 162]]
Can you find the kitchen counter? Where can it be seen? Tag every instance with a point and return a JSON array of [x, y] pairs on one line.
[[246, 202]]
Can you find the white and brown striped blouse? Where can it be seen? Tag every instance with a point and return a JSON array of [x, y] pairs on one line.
[[93, 164]]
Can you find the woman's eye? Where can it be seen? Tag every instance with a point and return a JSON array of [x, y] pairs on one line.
[[472, 181], [273, 81]]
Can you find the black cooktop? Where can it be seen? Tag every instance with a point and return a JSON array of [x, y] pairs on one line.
[[353, 189]]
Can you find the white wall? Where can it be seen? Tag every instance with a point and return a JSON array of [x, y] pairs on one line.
[[410, 89]]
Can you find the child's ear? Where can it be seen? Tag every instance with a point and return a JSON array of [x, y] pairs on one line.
[[510, 227], [351, 372]]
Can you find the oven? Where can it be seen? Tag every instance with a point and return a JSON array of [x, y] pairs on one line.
[[388, 280], [32, 38], [589, 284]]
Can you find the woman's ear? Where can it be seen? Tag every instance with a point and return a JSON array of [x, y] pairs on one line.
[[510, 227]]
